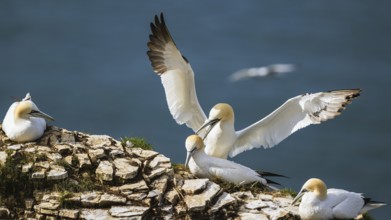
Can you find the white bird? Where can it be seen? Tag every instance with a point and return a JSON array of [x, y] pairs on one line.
[[318, 202], [205, 166], [24, 121], [178, 81], [260, 72]]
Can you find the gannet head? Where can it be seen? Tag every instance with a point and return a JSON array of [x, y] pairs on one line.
[[314, 185], [220, 112], [26, 109], [193, 143]]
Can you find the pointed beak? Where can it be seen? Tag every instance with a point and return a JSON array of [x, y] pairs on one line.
[[210, 123], [40, 114], [188, 156], [187, 159], [298, 197]]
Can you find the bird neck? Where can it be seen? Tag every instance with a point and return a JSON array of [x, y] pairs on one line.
[[20, 111], [321, 193], [199, 153]]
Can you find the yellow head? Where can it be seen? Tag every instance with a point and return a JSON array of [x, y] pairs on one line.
[[314, 185], [26, 109], [193, 144], [222, 111]]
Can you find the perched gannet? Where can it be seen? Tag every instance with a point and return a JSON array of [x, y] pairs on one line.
[[318, 202], [260, 72], [205, 166], [178, 81], [24, 121]]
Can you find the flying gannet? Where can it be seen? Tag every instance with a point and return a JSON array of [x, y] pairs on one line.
[[276, 70], [221, 138]]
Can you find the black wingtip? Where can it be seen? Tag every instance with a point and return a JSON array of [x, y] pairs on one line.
[[370, 201], [159, 37], [162, 18], [159, 29], [272, 182], [264, 173]]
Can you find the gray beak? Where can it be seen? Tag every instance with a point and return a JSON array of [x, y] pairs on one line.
[[212, 123], [188, 156], [298, 197], [39, 114], [187, 159]]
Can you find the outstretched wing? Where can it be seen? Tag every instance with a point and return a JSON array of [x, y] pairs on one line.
[[177, 76], [296, 113]]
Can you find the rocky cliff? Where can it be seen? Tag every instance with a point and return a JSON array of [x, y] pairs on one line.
[[74, 175]]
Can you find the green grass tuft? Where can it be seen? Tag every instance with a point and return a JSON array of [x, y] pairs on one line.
[[137, 143], [178, 167], [285, 192], [255, 187], [366, 216]]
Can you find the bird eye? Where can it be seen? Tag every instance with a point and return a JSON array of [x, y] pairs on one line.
[[34, 112]]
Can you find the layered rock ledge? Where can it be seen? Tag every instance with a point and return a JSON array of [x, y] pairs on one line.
[[74, 175]]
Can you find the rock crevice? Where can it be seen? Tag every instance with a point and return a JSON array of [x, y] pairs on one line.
[[74, 175]]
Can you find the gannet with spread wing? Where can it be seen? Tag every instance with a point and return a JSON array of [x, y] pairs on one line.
[[221, 138]]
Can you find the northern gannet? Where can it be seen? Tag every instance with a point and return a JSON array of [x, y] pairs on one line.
[[260, 72], [205, 166], [318, 202], [24, 121], [178, 81]]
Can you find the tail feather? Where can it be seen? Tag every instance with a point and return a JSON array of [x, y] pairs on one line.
[[370, 204]]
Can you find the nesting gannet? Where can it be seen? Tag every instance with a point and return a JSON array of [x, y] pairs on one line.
[[260, 72], [205, 166], [24, 121], [178, 81], [318, 202]]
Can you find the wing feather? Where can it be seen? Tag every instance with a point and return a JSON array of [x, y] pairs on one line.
[[177, 76], [344, 204], [296, 113]]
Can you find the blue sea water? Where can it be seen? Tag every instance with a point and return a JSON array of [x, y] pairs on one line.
[[85, 64]]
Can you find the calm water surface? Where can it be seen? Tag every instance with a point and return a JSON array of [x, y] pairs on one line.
[[85, 64]]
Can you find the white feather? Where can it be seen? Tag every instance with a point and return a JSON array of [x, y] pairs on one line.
[[318, 202], [178, 81], [177, 78], [296, 113]]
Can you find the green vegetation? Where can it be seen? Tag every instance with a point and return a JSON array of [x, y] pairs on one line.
[[232, 187], [14, 184], [366, 216], [137, 142], [178, 167], [83, 184], [284, 192]]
